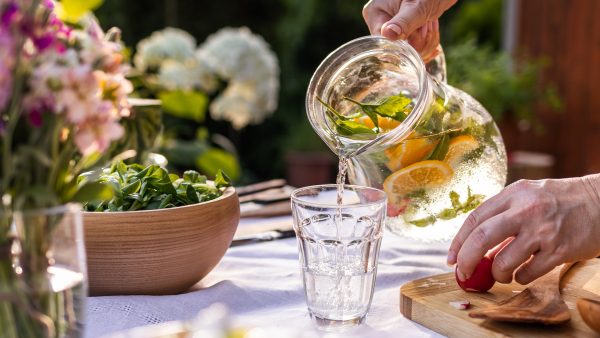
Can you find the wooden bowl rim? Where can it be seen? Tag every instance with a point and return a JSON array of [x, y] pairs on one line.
[[228, 193]]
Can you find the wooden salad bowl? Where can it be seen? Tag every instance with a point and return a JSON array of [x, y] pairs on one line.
[[158, 252]]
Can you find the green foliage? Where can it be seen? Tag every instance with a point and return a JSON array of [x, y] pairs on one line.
[[213, 160], [304, 139], [478, 19], [185, 104], [93, 191], [146, 188], [487, 76]]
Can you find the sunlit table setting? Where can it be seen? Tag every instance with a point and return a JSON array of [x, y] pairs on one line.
[[261, 286]]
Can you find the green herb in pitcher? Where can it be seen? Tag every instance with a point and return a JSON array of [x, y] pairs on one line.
[[427, 159]]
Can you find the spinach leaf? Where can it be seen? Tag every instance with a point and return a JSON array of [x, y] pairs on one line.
[[221, 180], [152, 187]]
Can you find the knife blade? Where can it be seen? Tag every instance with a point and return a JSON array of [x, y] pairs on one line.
[[260, 237]]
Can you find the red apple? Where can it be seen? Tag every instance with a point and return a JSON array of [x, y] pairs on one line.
[[481, 280]]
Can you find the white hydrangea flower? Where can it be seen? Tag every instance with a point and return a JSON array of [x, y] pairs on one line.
[[245, 60], [169, 43], [237, 104], [189, 74]]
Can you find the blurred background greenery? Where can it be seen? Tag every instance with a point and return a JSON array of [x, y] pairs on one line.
[[303, 32]]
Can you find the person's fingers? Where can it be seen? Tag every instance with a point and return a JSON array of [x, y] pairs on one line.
[[495, 205], [483, 238], [438, 49], [540, 264], [412, 15], [421, 40], [409, 18], [513, 255], [492, 253], [431, 42], [417, 40], [425, 29], [375, 18]]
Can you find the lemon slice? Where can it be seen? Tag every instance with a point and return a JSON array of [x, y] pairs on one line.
[[421, 175], [385, 123], [408, 152], [458, 147]]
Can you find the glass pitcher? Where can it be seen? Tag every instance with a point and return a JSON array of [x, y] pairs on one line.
[[432, 148]]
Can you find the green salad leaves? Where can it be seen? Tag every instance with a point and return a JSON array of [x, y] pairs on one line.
[[145, 188]]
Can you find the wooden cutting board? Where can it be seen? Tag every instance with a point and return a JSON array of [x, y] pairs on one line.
[[426, 301]]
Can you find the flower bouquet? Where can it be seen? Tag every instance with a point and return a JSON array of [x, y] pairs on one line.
[[63, 92]]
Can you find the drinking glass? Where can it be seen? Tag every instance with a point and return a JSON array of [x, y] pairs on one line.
[[338, 246]]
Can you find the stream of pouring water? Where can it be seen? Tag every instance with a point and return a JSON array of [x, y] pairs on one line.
[[341, 179]]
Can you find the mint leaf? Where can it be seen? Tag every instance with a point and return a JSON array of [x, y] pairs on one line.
[[455, 200], [441, 149], [396, 107], [349, 128], [447, 214], [423, 222], [369, 111]]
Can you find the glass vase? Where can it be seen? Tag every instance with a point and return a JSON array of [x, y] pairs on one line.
[[43, 273]]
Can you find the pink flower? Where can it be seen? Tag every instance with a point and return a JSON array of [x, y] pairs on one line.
[[35, 117], [10, 13], [83, 82], [7, 62], [96, 137]]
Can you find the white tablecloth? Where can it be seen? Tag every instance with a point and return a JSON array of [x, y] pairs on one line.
[[261, 285]]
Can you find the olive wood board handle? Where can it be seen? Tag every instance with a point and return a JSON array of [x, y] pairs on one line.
[[426, 301]]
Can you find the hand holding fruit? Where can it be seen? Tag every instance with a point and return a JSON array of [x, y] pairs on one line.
[[534, 226], [480, 280]]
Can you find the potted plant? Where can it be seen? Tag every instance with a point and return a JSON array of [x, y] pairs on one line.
[[308, 161]]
